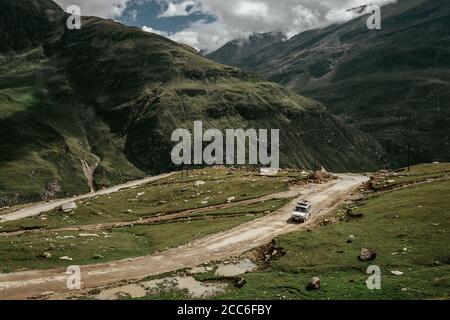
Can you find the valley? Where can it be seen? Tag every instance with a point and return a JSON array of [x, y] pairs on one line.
[[110, 96], [135, 167]]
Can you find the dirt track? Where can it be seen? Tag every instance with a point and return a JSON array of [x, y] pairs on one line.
[[36, 209], [23, 285]]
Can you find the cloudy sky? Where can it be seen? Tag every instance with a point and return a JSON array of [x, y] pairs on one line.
[[208, 24]]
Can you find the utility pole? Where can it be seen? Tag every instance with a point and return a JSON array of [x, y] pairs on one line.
[[409, 157], [315, 157]]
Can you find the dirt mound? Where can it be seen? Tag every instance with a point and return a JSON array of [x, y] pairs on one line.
[[321, 176]]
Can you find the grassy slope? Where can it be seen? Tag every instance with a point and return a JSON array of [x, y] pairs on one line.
[[40, 145], [415, 218], [24, 251]]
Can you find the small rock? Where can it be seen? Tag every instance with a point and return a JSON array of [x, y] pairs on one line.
[[314, 284], [46, 255], [396, 273], [66, 258], [88, 235], [367, 255], [97, 257], [350, 239], [230, 199], [199, 183], [240, 283]]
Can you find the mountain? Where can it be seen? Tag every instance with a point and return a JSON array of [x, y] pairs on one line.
[[393, 83], [234, 52], [90, 108]]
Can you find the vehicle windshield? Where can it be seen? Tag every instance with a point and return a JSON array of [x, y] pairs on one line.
[[301, 209]]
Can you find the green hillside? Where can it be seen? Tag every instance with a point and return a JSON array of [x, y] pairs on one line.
[[106, 98]]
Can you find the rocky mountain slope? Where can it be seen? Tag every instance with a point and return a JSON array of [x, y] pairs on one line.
[[97, 106], [392, 83]]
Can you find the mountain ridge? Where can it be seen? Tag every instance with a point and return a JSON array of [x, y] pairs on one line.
[[391, 83]]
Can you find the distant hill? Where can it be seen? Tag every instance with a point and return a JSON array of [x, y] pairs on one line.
[[101, 103], [392, 83], [236, 51]]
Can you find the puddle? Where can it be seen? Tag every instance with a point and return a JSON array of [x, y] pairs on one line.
[[232, 270], [132, 290], [195, 288]]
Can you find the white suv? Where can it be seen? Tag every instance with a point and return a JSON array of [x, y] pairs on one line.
[[302, 211]]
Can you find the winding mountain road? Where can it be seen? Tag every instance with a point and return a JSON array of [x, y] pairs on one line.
[[52, 283]]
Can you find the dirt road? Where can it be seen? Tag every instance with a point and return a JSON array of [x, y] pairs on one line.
[[34, 210], [52, 283]]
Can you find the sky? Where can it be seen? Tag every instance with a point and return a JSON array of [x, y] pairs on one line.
[[208, 24]]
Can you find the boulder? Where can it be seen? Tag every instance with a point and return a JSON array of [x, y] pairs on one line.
[[322, 175], [68, 207], [314, 284], [367, 255]]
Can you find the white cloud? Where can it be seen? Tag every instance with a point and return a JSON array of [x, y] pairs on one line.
[[150, 29], [252, 9], [179, 9], [234, 19], [100, 8], [240, 18]]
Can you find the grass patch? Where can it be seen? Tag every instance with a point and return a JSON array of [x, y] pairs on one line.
[[25, 252], [170, 195], [419, 173]]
